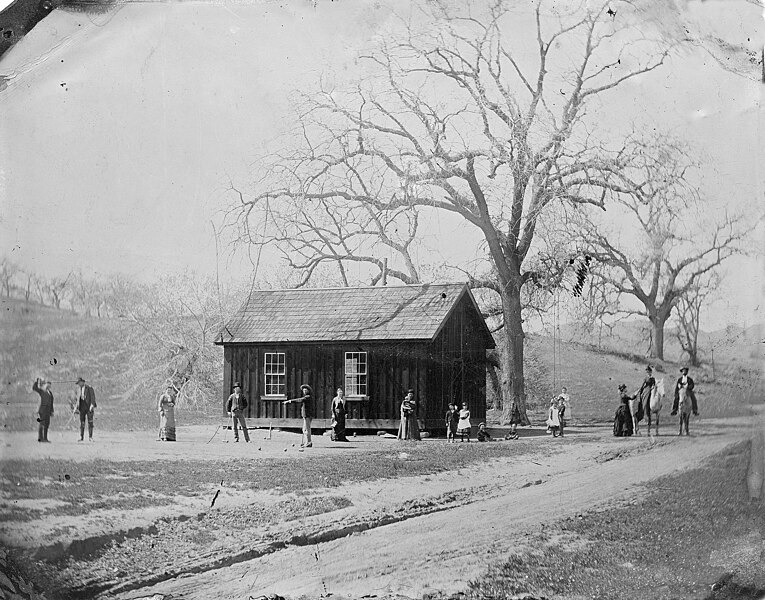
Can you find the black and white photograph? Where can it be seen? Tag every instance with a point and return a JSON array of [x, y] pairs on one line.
[[382, 299]]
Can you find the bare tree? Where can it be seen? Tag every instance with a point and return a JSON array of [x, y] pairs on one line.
[[175, 325], [665, 240], [57, 290], [334, 234], [8, 270], [452, 119], [689, 315]]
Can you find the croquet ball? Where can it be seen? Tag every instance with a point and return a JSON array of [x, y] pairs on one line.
[[285, 449], [293, 445], [258, 449]]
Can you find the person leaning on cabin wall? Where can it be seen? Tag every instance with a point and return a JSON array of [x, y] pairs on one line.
[[408, 429], [306, 411], [235, 407], [45, 410]]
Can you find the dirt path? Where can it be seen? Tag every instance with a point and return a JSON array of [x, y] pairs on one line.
[[445, 549]]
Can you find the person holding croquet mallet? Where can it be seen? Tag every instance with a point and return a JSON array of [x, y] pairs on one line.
[[306, 411], [45, 411], [235, 407], [86, 406]]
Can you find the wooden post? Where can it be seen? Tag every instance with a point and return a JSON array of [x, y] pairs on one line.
[[385, 272]]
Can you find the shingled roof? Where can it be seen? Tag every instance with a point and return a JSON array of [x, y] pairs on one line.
[[410, 312]]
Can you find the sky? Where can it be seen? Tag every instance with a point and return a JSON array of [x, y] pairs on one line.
[[120, 133]]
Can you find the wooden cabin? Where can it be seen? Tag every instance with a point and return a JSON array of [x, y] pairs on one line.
[[374, 342]]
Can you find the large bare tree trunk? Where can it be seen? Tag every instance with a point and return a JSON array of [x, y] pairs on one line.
[[658, 320], [513, 382]]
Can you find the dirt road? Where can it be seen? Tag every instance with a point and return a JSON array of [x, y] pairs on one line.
[[444, 549]]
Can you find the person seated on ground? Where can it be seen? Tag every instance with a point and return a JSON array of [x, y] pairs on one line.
[[623, 416], [483, 435], [515, 420]]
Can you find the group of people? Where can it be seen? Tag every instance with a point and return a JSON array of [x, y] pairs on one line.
[[556, 414], [83, 404], [236, 406], [634, 408]]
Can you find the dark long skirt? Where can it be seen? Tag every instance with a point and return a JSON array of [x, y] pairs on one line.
[[338, 429]]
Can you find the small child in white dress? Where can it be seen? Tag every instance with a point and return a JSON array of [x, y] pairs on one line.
[[463, 425]]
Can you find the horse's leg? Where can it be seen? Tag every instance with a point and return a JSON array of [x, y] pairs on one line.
[[657, 424], [648, 414]]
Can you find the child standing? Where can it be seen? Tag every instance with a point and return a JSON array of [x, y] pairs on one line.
[[463, 425], [553, 419], [452, 419]]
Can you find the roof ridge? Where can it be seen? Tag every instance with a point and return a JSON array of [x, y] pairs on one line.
[[362, 287]]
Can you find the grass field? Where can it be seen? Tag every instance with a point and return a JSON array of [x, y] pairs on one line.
[[695, 535]]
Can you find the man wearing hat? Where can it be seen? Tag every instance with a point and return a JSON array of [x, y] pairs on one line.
[[235, 407], [687, 383], [45, 412], [86, 405], [306, 411]]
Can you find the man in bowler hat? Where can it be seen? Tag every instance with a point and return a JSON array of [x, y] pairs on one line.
[[45, 411], [235, 407], [687, 383], [86, 406]]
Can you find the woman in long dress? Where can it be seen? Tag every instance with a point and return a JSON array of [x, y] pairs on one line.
[[166, 409], [408, 428], [338, 417]]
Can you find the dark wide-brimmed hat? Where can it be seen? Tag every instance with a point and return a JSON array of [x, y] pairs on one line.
[[305, 386], [684, 369], [237, 384], [649, 368], [410, 391], [622, 387], [80, 380]]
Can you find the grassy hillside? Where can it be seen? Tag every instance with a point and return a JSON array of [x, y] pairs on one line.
[[39, 341]]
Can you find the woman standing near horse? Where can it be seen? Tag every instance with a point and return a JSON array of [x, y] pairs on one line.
[[623, 417]]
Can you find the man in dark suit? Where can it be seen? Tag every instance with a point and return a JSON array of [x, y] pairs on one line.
[[86, 405], [45, 412], [235, 407], [687, 383]]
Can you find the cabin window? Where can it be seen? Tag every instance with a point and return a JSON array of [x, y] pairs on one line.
[[355, 373], [275, 371]]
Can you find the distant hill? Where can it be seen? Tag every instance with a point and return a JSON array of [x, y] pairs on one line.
[[733, 343]]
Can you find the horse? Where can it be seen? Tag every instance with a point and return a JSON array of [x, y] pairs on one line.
[[654, 404], [684, 407]]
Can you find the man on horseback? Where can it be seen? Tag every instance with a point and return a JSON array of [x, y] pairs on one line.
[[685, 382]]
